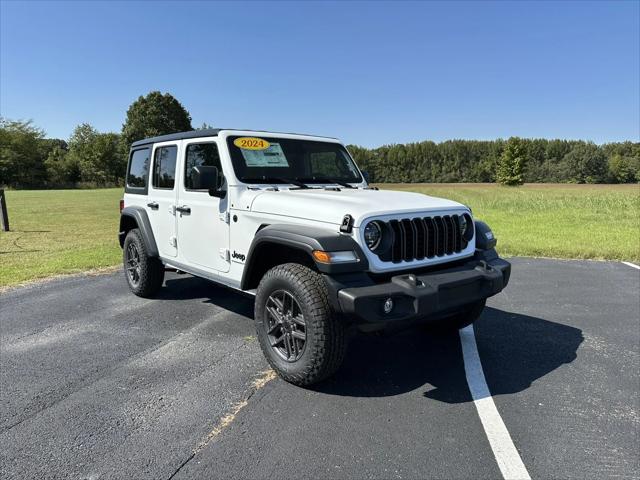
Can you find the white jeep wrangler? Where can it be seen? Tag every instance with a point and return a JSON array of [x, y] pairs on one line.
[[291, 220]]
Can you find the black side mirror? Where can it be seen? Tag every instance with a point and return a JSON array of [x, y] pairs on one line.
[[366, 176], [207, 177]]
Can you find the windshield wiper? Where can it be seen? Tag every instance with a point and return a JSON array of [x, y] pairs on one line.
[[327, 180], [292, 181]]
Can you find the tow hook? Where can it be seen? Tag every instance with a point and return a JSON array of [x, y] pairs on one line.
[[484, 266], [411, 280]]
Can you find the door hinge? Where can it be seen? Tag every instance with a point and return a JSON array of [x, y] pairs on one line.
[[224, 254], [225, 217], [173, 241]]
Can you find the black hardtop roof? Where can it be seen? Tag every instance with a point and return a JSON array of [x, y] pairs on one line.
[[207, 132]]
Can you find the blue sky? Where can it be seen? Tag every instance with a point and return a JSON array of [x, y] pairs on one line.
[[368, 73]]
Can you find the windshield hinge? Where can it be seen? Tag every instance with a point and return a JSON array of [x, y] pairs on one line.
[[347, 224]]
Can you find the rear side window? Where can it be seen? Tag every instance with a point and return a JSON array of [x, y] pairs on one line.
[[138, 169], [200, 154], [164, 167]]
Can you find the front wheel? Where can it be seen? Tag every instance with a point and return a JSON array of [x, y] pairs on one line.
[[299, 335]]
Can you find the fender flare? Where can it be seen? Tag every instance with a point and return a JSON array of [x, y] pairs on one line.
[[140, 217], [484, 242], [306, 239]]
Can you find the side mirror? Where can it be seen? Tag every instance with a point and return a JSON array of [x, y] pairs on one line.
[[366, 176], [207, 177]]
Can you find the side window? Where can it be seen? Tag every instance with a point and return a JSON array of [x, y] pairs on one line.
[[200, 154], [138, 169], [164, 167]]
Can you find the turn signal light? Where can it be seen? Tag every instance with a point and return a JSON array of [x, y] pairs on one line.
[[334, 257], [121, 205], [322, 257]]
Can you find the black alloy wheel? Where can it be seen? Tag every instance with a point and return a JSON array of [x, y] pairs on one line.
[[286, 327]]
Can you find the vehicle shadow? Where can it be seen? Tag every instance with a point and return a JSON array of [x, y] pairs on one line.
[[515, 350], [186, 287]]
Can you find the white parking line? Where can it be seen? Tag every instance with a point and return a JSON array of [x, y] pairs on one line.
[[633, 265], [504, 450]]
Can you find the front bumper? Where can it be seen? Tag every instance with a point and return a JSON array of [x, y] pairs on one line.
[[427, 295]]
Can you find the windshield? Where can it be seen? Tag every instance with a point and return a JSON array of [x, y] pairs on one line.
[[277, 160]]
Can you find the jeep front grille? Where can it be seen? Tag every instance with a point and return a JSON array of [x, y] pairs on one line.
[[420, 238]]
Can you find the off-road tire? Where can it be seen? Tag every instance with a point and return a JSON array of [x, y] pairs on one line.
[[461, 319], [326, 339], [150, 273]]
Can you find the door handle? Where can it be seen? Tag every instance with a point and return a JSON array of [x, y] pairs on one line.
[[183, 209], [153, 205]]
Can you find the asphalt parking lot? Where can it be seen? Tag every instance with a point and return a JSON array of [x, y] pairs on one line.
[[97, 383]]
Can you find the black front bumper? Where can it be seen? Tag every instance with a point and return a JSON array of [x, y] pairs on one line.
[[426, 295]]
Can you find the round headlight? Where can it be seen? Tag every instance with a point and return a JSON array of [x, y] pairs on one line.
[[372, 235]]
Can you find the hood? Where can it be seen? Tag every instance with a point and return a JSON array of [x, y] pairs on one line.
[[331, 206]]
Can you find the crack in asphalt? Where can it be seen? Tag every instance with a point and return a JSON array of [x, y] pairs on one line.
[[227, 419]]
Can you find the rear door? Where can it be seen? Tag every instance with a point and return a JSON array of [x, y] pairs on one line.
[[161, 199], [203, 231]]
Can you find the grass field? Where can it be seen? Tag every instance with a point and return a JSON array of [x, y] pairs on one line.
[[59, 231], [65, 231], [549, 220]]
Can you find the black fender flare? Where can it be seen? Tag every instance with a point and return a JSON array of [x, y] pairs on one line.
[[484, 241], [140, 217], [306, 239]]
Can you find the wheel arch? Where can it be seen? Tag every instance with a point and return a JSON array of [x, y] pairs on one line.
[[277, 244], [136, 217]]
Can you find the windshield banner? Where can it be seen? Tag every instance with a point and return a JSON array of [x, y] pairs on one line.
[[273, 156]]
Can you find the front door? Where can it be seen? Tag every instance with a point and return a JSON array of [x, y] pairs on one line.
[[203, 231], [161, 198]]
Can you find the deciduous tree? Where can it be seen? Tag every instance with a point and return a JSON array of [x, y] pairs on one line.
[[97, 155], [21, 163], [152, 115]]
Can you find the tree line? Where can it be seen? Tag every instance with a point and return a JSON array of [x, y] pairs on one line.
[[512, 161], [89, 158]]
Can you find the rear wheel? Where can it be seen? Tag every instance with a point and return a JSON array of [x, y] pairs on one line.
[[299, 335], [144, 274]]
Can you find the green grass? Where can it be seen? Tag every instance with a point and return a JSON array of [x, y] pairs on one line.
[[549, 220], [65, 231], [59, 231]]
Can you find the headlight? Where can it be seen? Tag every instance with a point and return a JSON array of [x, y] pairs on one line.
[[466, 226], [372, 235]]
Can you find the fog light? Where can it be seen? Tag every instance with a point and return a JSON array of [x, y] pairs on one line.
[[388, 305]]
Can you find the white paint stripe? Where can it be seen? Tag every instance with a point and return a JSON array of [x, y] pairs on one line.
[[633, 265], [504, 450]]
